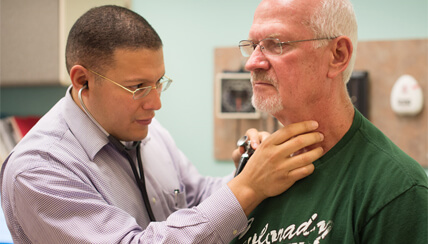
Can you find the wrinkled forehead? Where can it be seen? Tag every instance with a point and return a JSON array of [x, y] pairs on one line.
[[281, 17]]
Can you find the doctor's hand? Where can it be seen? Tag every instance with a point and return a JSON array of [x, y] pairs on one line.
[[272, 169], [255, 137]]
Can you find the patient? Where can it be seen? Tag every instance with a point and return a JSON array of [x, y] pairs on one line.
[[364, 188]]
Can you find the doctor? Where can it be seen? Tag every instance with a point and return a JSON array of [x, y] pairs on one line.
[[98, 168]]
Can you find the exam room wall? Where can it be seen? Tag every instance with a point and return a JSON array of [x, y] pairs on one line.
[[190, 31]]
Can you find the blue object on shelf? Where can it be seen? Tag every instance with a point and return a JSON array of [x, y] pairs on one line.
[[5, 237]]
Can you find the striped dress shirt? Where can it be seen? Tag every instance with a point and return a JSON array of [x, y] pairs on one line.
[[65, 183]]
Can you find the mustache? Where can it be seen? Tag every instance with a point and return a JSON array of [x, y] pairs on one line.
[[263, 76]]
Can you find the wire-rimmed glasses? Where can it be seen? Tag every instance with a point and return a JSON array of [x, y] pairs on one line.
[[269, 46], [161, 85]]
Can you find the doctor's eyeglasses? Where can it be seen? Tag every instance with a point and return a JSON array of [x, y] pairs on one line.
[[161, 85], [269, 46]]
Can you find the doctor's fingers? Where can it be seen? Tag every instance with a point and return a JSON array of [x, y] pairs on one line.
[[282, 174], [256, 137], [289, 131], [285, 163], [297, 167], [300, 166], [299, 143]]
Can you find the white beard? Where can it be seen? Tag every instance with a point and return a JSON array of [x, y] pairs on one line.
[[268, 104], [271, 104]]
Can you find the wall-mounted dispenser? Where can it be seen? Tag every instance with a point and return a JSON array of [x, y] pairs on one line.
[[406, 96]]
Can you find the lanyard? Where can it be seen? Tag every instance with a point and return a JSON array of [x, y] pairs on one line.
[[139, 179]]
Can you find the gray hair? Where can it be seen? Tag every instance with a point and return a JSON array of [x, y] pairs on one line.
[[336, 18]]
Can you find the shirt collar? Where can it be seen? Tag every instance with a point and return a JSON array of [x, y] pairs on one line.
[[86, 132]]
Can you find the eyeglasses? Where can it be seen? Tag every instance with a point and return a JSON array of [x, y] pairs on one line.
[[269, 46], [141, 92]]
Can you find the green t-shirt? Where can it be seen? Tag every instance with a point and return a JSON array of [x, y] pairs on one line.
[[364, 190]]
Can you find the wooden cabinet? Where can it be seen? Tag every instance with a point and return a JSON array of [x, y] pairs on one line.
[[33, 37]]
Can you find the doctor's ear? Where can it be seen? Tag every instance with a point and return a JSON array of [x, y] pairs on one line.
[[79, 76]]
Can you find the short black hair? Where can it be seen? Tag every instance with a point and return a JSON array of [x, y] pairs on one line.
[[100, 31]]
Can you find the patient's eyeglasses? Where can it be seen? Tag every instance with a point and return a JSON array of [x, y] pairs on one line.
[[270, 46]]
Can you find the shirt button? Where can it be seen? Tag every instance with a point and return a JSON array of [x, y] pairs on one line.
[[235, 232], [154, 200]]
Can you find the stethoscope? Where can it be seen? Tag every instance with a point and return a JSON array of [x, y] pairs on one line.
[[246, 144], [125, 150]]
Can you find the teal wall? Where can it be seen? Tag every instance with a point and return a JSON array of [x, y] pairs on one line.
[[31, 100], [190, 30]]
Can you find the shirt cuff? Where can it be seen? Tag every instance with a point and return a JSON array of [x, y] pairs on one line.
[[225, 214]]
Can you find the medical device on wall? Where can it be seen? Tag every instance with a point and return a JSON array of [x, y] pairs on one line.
[[406, 96], [235, 91], [358, 88]]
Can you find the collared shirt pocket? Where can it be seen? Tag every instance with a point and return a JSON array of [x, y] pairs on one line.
[[176, 199]]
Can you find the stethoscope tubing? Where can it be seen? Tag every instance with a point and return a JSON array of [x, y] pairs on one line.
[[125, 151]]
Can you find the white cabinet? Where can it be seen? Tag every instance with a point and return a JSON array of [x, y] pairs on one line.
[[33, 35]]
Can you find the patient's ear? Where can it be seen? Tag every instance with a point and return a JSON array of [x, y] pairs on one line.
[[341, 51], [79, 76]]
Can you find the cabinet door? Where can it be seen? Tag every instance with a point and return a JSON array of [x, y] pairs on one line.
[[70, 11], [33, 38], [29, 42]]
